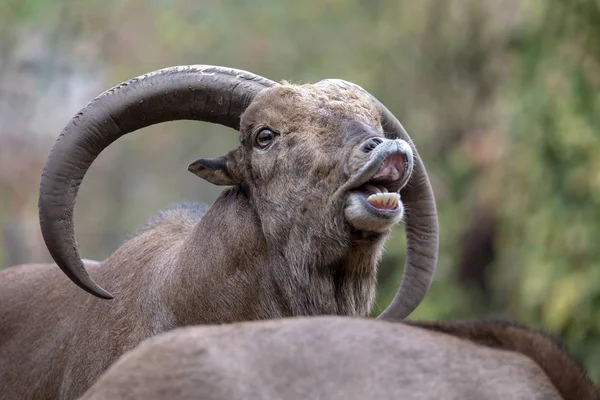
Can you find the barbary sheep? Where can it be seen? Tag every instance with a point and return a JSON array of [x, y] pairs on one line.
[[347, 358], [314, 190]]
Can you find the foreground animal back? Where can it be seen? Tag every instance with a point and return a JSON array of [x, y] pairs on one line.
[[323, 358]]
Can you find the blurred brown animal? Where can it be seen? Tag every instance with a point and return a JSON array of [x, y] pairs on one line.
[[314, 190], [347, 358]]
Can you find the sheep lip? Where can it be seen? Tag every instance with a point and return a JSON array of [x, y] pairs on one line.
[[367, 217], [384, 213], [388, 170]]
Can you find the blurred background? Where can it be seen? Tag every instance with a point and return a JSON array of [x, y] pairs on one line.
[[501, 97]]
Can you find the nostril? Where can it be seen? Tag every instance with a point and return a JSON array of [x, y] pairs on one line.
[[369, 145]]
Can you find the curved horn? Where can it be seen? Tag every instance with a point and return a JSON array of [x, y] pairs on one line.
[[196, 92], [421, 222]]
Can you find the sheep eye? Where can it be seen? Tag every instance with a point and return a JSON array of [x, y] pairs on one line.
[[264, 138]]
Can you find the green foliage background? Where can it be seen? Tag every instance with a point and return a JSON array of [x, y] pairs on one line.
[[502, 98]]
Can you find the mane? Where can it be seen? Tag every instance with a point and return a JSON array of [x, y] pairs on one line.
[[185, 210]]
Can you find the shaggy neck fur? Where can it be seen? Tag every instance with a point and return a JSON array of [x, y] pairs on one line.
[[269, 277]]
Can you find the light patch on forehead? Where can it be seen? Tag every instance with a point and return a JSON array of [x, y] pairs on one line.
[[339, 98]]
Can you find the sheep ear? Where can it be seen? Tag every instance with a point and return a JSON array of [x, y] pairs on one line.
[[214, 170]]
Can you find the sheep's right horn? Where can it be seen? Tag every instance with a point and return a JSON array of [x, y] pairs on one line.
[[197, 92], [421, 224]]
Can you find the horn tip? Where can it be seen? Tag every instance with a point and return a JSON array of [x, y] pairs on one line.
[[96, 290]]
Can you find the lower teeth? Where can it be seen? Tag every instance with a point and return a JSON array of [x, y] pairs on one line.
[[384, 200]]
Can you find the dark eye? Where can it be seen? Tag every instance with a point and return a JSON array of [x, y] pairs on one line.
[[264, 138]]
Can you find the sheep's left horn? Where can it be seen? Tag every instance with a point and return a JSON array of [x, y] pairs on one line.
[[196, 92]]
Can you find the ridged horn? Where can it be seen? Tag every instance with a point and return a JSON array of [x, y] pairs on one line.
[[195, 92]]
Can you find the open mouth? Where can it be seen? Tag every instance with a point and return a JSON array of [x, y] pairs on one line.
[[382, 189], [379, 181], [374, 190]]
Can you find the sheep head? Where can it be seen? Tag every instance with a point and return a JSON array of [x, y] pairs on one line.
[[311, 155], [312, 159]]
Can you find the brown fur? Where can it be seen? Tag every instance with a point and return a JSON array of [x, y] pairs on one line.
[[274, 245], [563, 370], [345, 358]]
